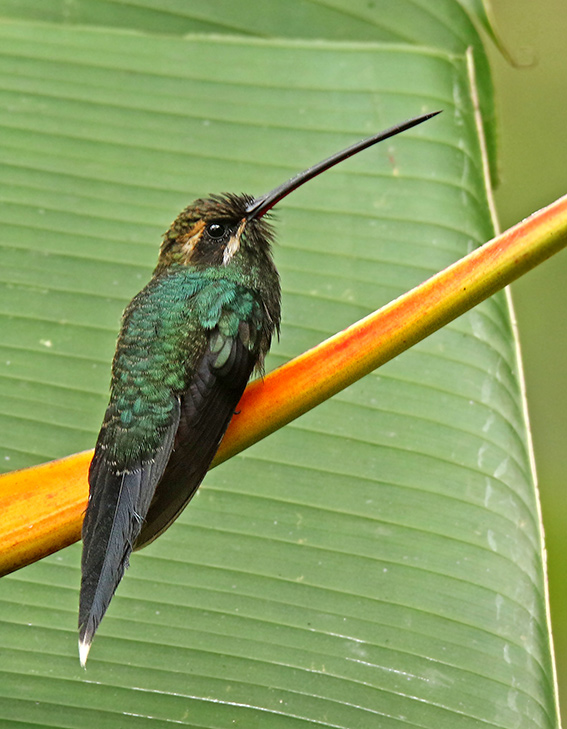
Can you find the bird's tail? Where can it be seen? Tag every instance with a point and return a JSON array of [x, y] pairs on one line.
[[117, 507]]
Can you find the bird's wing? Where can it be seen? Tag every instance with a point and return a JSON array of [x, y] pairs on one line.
[[206, 409]]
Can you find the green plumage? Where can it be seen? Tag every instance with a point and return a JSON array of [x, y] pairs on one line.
[[166, 330]]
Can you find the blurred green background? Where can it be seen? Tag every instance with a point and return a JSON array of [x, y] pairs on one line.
[[532, 106]]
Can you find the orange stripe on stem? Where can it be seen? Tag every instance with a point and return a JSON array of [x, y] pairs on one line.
[[42, 509]]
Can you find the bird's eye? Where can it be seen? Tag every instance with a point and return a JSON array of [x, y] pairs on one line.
[[216, 230]]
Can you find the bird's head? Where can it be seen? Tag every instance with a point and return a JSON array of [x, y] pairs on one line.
[[212, 231]]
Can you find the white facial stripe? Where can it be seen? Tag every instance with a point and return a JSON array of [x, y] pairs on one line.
[[233, 244]]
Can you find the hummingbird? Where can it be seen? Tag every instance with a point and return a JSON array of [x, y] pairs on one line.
[[188, 344]]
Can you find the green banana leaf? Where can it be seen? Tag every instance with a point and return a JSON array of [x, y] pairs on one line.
[[444, 24], [377, 563]]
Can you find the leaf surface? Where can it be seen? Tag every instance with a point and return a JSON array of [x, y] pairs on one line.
[[376, 563]]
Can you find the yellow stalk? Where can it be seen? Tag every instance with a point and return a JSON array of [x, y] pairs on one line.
[[42, 507]]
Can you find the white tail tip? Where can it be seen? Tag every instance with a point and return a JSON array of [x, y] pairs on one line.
[[84, 649]]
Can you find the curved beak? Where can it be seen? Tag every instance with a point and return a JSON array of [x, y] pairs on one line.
[[261, 205]]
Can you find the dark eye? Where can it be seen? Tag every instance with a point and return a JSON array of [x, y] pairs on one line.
[[216, 230]]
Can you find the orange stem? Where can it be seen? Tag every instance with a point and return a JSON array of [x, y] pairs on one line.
[[43, 507]]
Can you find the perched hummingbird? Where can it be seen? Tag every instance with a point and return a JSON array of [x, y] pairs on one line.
[[188, 344]]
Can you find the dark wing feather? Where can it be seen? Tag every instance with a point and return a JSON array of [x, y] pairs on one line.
[[206, 409], [119, 500]]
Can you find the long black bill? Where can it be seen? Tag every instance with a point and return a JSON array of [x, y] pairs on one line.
[[261, 205]]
